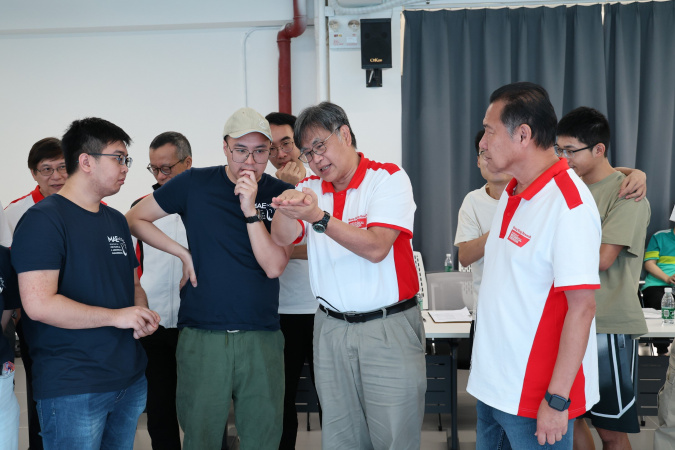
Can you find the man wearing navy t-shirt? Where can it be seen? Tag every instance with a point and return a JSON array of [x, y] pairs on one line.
[[230, 346], [84, 307]]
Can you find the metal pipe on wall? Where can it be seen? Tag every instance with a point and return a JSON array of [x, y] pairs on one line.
[[291, 30]]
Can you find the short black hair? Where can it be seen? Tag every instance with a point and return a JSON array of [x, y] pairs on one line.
[[477, 139], [183, 148], [90, 135], [279, 118], [47, 148], [587, 125], [326, 115], [528, 103]]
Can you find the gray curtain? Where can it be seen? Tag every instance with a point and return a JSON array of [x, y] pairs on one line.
[[452, 62], [640, 68]]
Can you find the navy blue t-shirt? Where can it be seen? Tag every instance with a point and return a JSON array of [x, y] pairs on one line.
[[233, 291], [9, 299], [95, 259]]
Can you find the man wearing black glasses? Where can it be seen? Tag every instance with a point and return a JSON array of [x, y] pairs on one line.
[[160, 274], [357, 216], [84, 307], [230, 347], [583, 138], [48, 169]]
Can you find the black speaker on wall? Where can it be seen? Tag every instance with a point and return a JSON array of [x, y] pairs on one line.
[[376, 43]]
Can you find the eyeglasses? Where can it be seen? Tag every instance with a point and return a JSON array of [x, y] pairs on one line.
[[240, 155], [286, 147], [481, 154], [48, 171], [166, 170], [318, 149], [569, 153], [121, 159]]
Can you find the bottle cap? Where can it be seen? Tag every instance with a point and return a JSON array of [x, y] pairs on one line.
[[668, 290]]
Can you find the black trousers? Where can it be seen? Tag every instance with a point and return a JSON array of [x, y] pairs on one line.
[[161, 374], [34, 438], [298, 330]]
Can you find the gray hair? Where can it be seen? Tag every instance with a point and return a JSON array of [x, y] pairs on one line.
[[326, 115], [183, 149]]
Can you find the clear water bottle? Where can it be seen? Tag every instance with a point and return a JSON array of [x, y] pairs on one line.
[[667, 306], [448, 262]]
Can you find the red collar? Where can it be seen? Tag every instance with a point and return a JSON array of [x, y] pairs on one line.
[[356, 180], [541, 181], [37, 195]]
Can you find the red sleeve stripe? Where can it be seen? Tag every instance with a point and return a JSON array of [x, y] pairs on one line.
[[302, 233], [569, 189], [393, 227], [578, 287]]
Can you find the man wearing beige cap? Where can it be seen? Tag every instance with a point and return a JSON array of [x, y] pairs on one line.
[[230, 346]]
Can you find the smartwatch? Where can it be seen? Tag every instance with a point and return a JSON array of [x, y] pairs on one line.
[[557, 402], [320, 226], [254, 219]]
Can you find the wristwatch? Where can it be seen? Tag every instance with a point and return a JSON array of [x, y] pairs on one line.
[[320, 226], [254, 219], [557, 402]]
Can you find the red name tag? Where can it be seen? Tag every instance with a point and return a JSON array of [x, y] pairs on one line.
[[518, 237]]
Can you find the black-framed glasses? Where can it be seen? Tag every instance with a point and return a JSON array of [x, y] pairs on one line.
[[48, 171], [317, 149], [121, 159], [569, 153], [166, 170], [240, 155], [286, 146]]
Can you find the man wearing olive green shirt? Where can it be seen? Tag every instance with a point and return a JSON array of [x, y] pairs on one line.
[[583, 138]]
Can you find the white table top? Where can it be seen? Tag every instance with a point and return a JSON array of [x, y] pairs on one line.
[[447, 330], [461, 330], [657, 329]]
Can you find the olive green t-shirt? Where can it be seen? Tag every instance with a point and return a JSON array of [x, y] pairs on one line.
[[624, 222]]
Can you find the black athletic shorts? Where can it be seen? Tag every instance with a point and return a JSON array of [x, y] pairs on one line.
[[617, 371]]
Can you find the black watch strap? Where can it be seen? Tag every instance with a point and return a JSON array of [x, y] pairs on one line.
[[557, 402], [320, 226], [254, 219]]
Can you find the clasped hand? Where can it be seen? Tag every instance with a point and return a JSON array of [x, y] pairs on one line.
[[298, 205]]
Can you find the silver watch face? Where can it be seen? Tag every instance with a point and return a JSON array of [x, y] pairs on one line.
[[319, 227]]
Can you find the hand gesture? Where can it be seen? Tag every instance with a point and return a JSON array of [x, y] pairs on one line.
[[247, 189], [551, 424], [142, 320], [292, 173], [634, 186], [299, 205], [188, 271]]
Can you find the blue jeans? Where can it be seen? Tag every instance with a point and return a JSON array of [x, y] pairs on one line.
[[93, 421], [497, 430]]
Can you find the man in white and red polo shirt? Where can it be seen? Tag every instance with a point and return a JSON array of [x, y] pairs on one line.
[[48, 168], [534, 368], [368, 333]]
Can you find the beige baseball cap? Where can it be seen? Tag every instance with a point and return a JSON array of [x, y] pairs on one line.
[[245, 121]]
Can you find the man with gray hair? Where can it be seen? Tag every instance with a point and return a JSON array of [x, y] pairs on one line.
[[160, 274], [357, 216], [230, 347]]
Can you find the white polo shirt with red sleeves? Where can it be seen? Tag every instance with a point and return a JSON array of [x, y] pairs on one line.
[[379, 194], [544, 241], [16, 209]]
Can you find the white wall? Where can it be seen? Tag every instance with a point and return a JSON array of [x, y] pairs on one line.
[[146, 66]]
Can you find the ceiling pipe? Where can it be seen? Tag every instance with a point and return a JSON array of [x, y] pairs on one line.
[[291, 30]]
